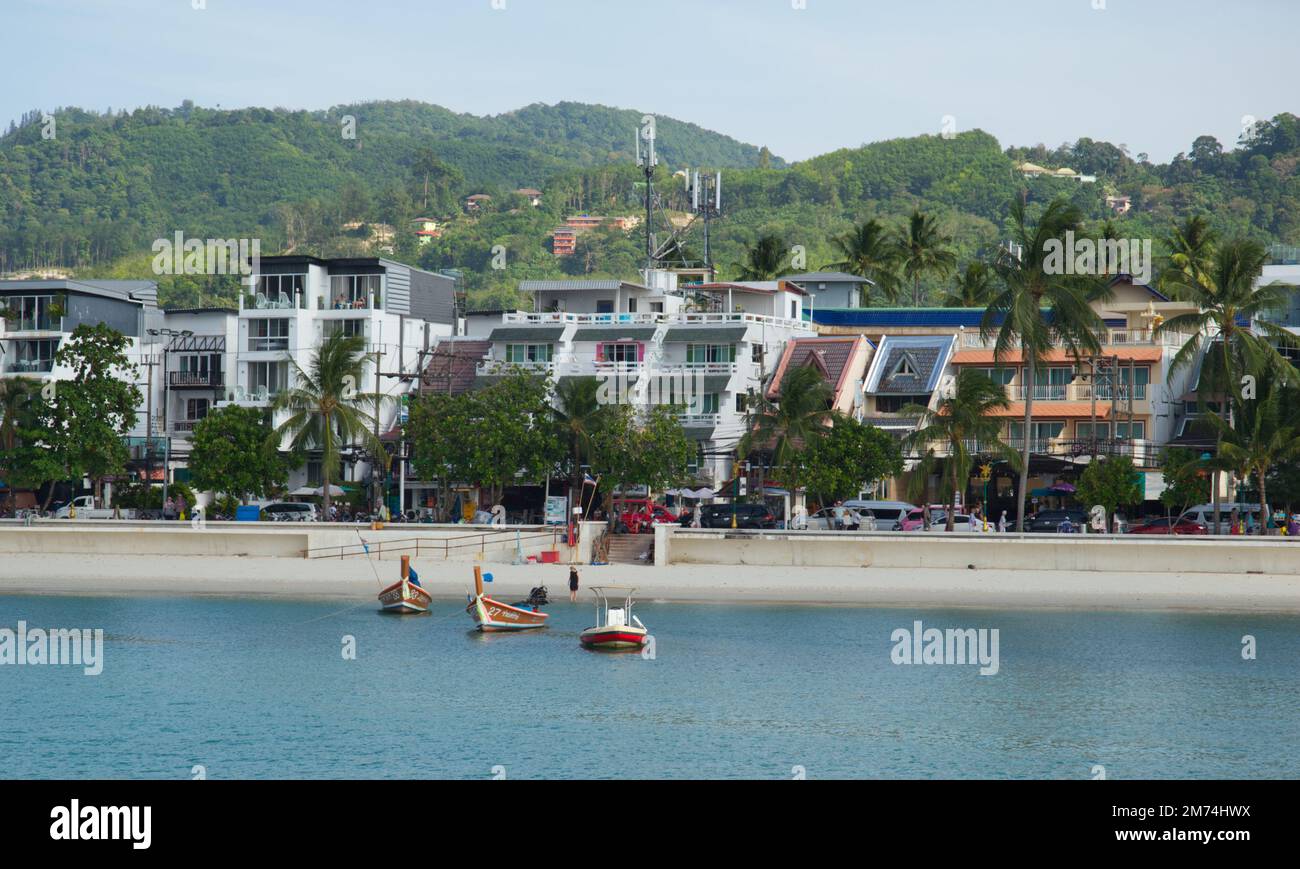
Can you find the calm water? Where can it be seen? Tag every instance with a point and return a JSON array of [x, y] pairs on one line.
[[260, 689]]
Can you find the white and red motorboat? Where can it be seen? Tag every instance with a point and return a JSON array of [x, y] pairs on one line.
[[616, 629]]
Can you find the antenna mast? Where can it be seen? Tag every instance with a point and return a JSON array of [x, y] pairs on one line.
[[648, 161], [704, 192]]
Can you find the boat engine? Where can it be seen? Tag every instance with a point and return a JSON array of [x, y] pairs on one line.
[[538, 596]]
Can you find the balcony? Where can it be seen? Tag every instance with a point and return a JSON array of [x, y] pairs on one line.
[[30, 366], [267, 345], [38, 323], [195, 380], [700, 420], [649, 318], [971, 339], [184, 426], [1079, 392]]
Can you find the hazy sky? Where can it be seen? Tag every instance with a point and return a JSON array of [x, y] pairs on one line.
[[1152, 74]]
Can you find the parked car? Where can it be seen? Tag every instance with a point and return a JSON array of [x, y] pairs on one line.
[[824, 520], [960, 522], [888, 515], [642, 514], [746, 515], [1050, 521], [87, 509], [1203, 514], [915, 518], [289, 511], [1165, 525]]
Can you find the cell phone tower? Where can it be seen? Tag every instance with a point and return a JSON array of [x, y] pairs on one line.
[[704, 192], [647, 159]]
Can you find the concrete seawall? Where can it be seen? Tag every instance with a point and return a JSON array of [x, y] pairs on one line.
[[1012, 552]]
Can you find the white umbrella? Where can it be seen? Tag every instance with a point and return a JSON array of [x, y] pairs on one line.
[[319, 491]]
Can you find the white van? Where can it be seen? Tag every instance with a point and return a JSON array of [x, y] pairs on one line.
[[888, 514], [1204, 514], [289, 511]]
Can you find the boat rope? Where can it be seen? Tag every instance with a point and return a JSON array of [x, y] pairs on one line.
[[366, 547]]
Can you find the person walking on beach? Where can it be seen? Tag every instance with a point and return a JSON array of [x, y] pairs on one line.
[[573, 585]]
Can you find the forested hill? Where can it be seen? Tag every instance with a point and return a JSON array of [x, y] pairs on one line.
[[107, 184], [94, 197]]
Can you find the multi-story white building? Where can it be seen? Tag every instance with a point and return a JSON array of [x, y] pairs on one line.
[[706, 346], [292, 303]]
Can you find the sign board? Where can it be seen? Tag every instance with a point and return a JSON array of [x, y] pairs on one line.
[[556, 505]]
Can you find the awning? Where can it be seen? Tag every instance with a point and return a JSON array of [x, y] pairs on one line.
[[527, 333], [707, 334], [615, 333]]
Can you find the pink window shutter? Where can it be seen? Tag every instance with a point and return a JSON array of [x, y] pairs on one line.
[[640, 352]]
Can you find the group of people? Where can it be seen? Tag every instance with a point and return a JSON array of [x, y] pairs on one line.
[[175, 507], [1282, 523]]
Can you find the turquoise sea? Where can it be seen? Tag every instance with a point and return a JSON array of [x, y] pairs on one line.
[[261, 689]]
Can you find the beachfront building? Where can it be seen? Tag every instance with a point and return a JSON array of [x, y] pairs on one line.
[[711, 344], [292, 303], [1124, 400], [195, 352]]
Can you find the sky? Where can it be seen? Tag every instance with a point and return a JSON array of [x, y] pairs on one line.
[[803, 77]]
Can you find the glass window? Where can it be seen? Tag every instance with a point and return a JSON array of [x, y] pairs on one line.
[[269, 376], [1000, 376], [35, 356], [268, 334], [275, 286], [523, 354], [619, 353], [1139, 431], [350, 328], [704, 354], [354, 291]]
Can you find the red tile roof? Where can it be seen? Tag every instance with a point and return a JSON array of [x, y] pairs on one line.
[[457, 360], [829, 354]]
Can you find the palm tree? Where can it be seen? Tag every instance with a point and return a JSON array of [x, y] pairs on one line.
[[866, 251], [15, 393], [1224, 326], [764, 260], [1191, 250], [923, 250], [577, 414], [962, 421], [325, 408], [1265, 435], [1037, 308], [974, 288], [784, 426]]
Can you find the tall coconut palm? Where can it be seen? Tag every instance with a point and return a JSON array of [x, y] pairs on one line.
[[923, 250], [1264, 435], [867, 251], [1038, 308], [577, 414], [782, 427], [326, 409], [1224, 332], [973, 288], [1191, 247], [963, 423], [764, 260]]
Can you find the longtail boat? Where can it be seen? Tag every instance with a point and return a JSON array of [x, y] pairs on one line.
[[493, 616], [616, 629], [406, 595]]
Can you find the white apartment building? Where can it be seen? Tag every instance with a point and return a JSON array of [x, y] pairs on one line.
[[707, 346], [293, 302]]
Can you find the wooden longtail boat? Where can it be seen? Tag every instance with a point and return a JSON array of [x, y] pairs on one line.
[[493, 616], [616, 630], [406, 595]]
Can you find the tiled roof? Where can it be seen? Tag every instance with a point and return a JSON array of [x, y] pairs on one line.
[[1059, 354], [706, 334], [615, 333], [554, 286], [830, 354], [915, 317], [925, 355], [1053, 409], [457, 360], [526, 333]]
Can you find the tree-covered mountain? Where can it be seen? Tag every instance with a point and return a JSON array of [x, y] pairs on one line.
[[96, 195]]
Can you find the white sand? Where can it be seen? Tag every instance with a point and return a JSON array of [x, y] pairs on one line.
[[353, 580]]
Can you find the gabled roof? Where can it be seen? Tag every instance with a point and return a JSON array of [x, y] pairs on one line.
[[593, 285], [1128, 279], [765, 288], [830, 355], [925, 355]]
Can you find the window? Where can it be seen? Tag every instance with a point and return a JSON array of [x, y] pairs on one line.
[[1122, 431], [1084, 431], [705, 354], [529, 354], [351, 328], [32, 313], [756, 353], [657, 307], [620, 353], [35, 356], [741, 404], [1040, 433], [354, 291], [708, 403], [794, 309], [196, 409], [905, 367], [896, 403], [269, 376], [631, 306], [1050, 384], [605, 306], [269, 334], [273, 286], [1000, 376]]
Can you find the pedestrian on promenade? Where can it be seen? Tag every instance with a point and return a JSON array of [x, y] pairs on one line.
[[925, 517], [181, 506], [1002, 523], [573, 584], [169, 508]]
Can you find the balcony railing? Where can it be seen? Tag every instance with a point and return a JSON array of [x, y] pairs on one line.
[[971, 339], [1078, 392], [700, 420], [1144, 453], [267, 345], [31, 366], [184, 426], [649, 318], [195, 379], [39, 323]]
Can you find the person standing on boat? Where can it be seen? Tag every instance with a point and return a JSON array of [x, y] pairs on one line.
[[573, 584]]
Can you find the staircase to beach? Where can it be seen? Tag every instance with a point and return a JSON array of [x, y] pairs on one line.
[[628, 548]]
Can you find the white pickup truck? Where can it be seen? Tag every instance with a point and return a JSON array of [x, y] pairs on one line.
[[86, 509]]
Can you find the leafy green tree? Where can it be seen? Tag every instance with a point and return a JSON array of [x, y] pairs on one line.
[[852, 454], [1265, 435], [94, 410], [17, 396], [634, 447], [867, 251], [1183, 473], [964, 424], [1112, 482], [923, 250], [507, 439], [438, 449], [326, 410], [779, 431], [1038, 308], [233, 452], [1191, 247], [765, 260], [974, 288]]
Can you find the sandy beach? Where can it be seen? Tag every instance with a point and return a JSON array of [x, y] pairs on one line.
[[354, 580]]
